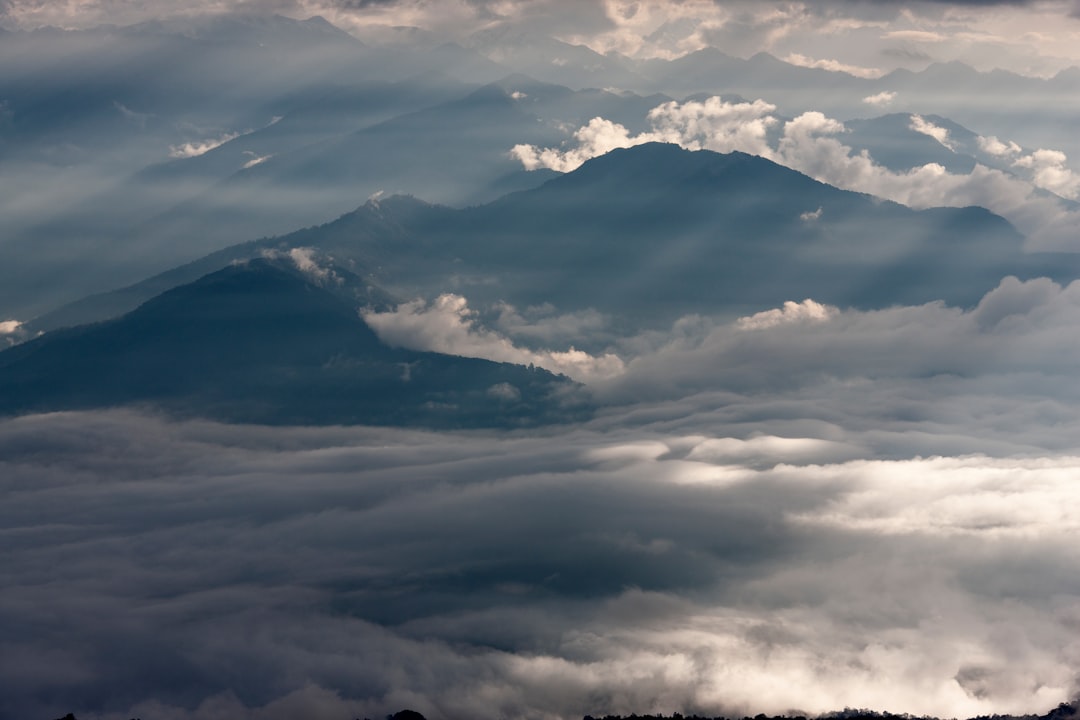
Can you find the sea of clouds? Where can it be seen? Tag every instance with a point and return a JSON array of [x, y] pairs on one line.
[[802, 510]]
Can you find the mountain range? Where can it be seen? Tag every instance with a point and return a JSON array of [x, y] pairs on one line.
[[651, 233], [643, 236], [128, 150]]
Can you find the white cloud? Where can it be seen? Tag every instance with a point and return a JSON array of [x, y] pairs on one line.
[[255, 159], [923, 36], [712, 125], [811, 215], [307, 261], [200, 147], [715, 125], [881, 99], [921, 125], [598, 137], [791, 312], [770, 450], [1006, 499], [993, 146], [834, 66], [1049, 172], [12, 332], [448, 325]]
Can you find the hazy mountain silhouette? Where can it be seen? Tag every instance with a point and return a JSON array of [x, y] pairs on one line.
[[654, 232], [258, 342], [656, 227]]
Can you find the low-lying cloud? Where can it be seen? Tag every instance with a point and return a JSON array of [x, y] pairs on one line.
[[804, 509], [195, 570], [1021, 334], [834, 66], [447, 325]]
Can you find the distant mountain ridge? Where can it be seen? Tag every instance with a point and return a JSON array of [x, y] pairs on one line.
[[654, 232]]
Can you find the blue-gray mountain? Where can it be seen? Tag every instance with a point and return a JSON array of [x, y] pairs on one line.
[[649, 234], [258, 342]]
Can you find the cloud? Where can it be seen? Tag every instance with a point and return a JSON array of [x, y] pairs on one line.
[[543, 324], [318, 270], [881, 99], [1021, 35], [1020, 334], [255, 159], [791, 312], [921, 36], [598, 137], [920, 125], [1044, 168], [12, 332], [712, 124], [996, 147], [834, 66], [715, 125], [196, 570], [1049, 172], [448, 325], [196, 148]]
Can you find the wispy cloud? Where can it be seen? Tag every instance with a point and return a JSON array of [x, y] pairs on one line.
[[921, 125], [448, 325], [881, 99], [833, 66], [200, 147]]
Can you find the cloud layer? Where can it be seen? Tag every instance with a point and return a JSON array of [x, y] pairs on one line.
[[799, 510], [860, 38]]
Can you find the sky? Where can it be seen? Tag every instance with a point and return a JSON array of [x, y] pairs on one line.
[[1036, 37], [795, 507]]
